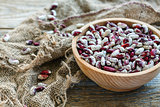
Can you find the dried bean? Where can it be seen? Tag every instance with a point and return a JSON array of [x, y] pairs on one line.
[[79, 25], [120, 63], [106, 68], [158, 47], [139, 44], [112, 44], [115, 53], [51, 17], [42, 17], [6, 38], [13, 61], [96, 54], [114, 60], [147, 47], [145, 28], [29, 42], [114, 28], [117, 47], [133, 65], [26, 50], [84, 55], [104, 41], [53, 12], [101, 32], [139, 51], [91, 28], [133, 36], [110, 50], [80, 46], [138, 68], [133, 45], [122, 34], [32, 90], [45, 72], [136, 26], [42, 77], [88, 51], [126, 62], [54, 6], [92, 60], [108, 63], [42, 84], [36, 43], [103, 61], [106, 33], [155, 45], [137, 30], [149, 43], [40, 88], [98, 64], [99, 41], [76, 32], [122, 25], [84, 42], [95, 47], [154, 37], [122, 49], [153, 53], [50, 32], [124, 71], [97, 35], [151, 64], [156, 58], [127, 31], [104, 47]]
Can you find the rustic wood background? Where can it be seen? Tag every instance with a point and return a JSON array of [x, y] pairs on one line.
[[86, 93]]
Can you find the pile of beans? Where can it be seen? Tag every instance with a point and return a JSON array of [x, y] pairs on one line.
[[117, 47]]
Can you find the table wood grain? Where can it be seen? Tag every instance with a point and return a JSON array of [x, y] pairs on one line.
[[86, 93]]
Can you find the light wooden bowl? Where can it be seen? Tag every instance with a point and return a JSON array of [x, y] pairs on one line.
[[115, 81]]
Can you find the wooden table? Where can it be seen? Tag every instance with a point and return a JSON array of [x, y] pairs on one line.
[[86, 93]]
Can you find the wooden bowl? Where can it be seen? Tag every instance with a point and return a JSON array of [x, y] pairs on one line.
[[115, 81]]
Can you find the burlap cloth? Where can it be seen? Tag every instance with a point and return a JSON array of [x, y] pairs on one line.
[[16, 81]]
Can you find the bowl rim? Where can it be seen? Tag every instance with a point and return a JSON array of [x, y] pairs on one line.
[[77, 56]]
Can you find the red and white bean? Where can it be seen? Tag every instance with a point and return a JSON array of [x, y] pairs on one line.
[[119, 47], [13, 61]]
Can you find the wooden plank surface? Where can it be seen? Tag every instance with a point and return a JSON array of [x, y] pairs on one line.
[[13, 12], [86, 93]]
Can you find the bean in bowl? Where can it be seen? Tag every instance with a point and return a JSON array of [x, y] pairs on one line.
[[117, 47]]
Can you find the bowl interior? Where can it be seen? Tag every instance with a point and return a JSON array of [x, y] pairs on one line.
[[129, 22]]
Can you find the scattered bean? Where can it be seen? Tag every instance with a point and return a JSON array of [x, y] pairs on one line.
[[42, 77], [29, 42], [76, 32], [42, 84], [51, 17], [36, 43], [13, 61], [45, 72], [42, 17], [54, 6], [32, 90], [79, 25], [26, 50], [6, 37], [53, 12]]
